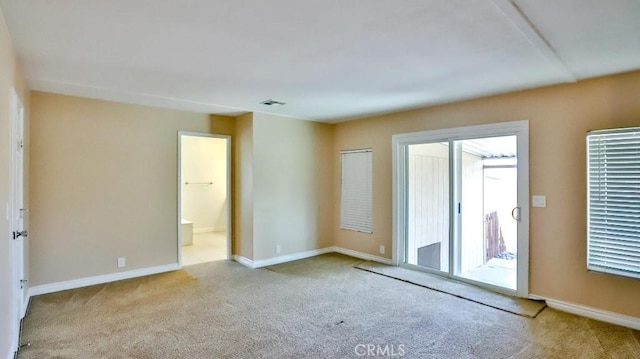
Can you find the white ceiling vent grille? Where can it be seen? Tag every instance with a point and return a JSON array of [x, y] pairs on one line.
[[271, 102]]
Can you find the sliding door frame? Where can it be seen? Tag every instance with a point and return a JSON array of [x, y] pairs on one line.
[[400, 143]]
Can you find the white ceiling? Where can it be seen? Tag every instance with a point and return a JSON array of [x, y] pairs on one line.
[[329, 60]]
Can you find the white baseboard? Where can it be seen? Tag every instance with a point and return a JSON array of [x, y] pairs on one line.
[[290, 257], [243, 260], [210, 229], [365, 256], [593, 313], [302, 255], [106, 278], [280, 259]]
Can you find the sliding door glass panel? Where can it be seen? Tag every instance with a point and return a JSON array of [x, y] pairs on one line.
[[428, 215], [486, 200]]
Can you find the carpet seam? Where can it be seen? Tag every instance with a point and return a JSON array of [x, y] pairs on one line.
[[454, 295]]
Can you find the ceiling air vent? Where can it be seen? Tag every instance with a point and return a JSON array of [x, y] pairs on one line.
[[271, 102]]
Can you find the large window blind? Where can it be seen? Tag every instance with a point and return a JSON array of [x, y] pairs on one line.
[[355, 197], [613, 230]]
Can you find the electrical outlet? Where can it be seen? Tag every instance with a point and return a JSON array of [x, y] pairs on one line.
[[278, 249], [122, 262], [382, 249]]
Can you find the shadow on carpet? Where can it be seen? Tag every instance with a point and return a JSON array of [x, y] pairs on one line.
[[519, 306]]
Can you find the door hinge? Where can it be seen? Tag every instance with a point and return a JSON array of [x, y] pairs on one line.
[[20, 234], [20, 144], [22, 283]]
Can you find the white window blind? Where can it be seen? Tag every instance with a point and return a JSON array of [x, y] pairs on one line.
[[355, 198], [613, 193]]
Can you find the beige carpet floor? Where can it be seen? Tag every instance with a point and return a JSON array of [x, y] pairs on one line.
[[519, 306], [320, 307]]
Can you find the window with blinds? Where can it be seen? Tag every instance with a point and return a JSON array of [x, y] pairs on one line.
[[356, 210], [613, 201]]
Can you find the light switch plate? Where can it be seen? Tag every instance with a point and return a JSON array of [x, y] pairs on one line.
[[539, 201]]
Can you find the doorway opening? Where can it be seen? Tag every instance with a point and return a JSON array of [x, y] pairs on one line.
[[461, 200], [204, 215]]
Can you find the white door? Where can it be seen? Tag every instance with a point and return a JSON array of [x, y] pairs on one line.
[[18, 210]]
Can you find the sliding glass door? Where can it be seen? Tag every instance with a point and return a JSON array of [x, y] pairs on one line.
[[486, 197], [462, 199], [427, 242]]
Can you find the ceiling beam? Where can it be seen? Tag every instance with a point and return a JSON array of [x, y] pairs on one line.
[[519, 19]]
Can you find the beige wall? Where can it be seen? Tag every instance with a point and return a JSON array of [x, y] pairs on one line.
[[282, 186], [242, 189], [10, 76], [292, 173], [559, 118], [222, 125], [105, 185]]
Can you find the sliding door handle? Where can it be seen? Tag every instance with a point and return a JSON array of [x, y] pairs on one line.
[[515, 213]]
